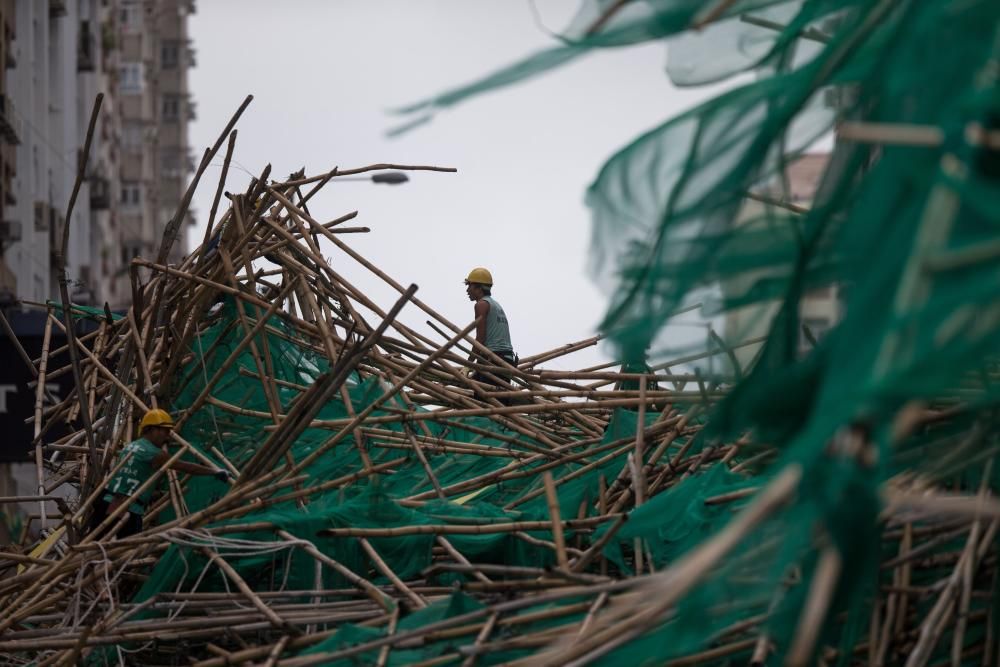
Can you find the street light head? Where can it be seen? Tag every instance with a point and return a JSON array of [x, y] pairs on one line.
[[390, 177]]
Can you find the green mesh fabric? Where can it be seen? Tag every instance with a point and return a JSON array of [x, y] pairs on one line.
[[84, 312], [632, 23], [905, 227], [369, 503]]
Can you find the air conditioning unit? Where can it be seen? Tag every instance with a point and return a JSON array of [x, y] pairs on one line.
[[55, 231], [10, 231], [41, 216]]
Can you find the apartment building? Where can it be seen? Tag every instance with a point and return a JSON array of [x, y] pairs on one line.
[[156, 108], [11, 132], [64, 53], [55, 57]]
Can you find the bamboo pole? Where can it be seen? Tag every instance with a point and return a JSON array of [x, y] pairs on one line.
[[363, 584], [60, 261], [554, 516], [382, 567], [39, 396], [445, 529], [821, 591]]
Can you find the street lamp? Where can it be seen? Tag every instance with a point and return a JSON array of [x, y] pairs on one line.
[[387, 177], [390, 177]]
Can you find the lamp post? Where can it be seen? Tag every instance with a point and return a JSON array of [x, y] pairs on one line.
[[387, 177]]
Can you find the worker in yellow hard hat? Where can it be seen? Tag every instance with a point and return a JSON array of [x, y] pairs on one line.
[[492, 328], [136, 463]]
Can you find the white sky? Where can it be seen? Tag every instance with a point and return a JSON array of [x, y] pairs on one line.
[[323, 74]]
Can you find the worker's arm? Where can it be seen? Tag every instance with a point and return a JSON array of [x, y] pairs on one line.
[[189, 468], [482, 310], [194, 468]]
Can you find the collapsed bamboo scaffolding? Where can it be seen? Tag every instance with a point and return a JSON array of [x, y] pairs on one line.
[[69, 591]]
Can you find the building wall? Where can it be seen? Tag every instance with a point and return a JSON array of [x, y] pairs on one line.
[[10, 134], [53, 97], [137, 53], [155, 57], [56, 56]]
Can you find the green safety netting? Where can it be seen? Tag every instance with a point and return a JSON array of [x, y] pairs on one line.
[[266, 562], [904, 225], [85, 312]]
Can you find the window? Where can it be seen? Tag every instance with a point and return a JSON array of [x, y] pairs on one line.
[[172, 163], [132, 136], [130, 251], [131, 194], [170, 158], [170, 54], [85, 51], [131, 78], [130, 16], [170, 107]]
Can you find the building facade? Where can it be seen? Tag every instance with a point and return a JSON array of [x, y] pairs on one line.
[[156, 108], [55, 57], [64, 53]]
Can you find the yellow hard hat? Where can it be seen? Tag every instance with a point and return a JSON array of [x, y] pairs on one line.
[[481, 276], [156, 417]]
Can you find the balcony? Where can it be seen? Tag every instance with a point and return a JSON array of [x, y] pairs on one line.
[[10, 124], [100, 193]]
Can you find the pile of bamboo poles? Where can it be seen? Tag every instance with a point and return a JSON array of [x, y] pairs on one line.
[[67, 591]]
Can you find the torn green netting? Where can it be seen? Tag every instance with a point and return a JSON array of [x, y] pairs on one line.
[[697, 210], [84, 312], [626, 24]]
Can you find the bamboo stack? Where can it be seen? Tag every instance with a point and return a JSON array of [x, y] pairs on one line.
[[68, 591]]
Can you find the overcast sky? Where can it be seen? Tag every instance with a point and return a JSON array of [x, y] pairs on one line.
[[323, 75]]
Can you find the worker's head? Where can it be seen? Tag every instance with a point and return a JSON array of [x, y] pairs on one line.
[[156, 426], [479, 283]]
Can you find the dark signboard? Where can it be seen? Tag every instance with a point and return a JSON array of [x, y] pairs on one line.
[[17, 392]]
